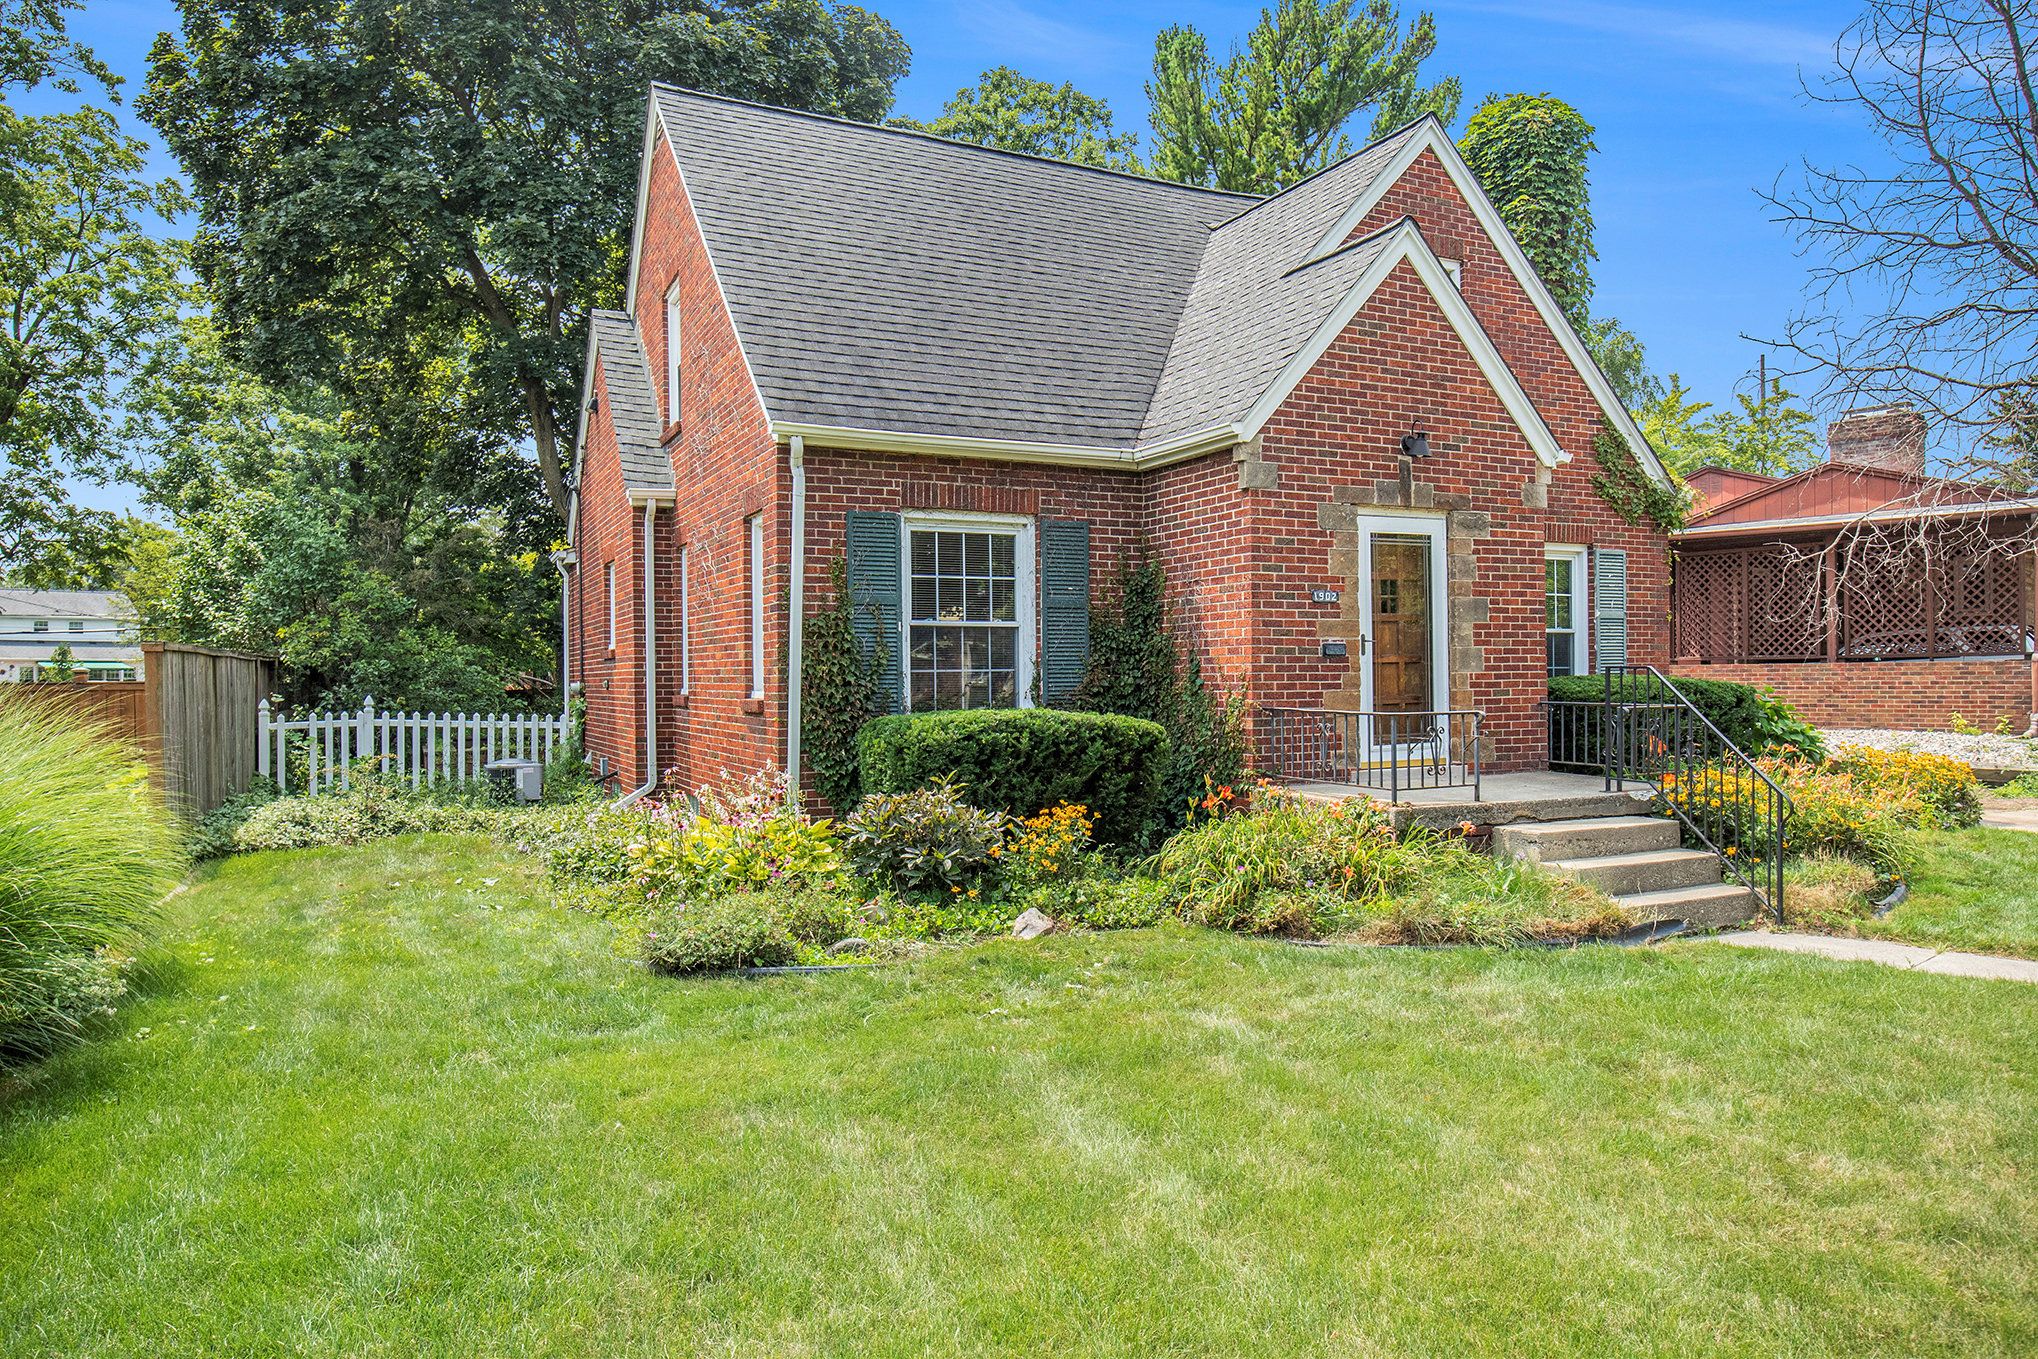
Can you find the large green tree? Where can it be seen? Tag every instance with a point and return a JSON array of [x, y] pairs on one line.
[[1529, 152], [85, 288], [296, 536], [1015, 113], [1276, 110], [398, 196]]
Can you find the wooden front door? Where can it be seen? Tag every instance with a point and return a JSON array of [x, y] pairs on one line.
[[1402, 642]]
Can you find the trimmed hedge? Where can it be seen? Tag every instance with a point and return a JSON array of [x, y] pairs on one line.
[[1736, 709], [1022, 760]]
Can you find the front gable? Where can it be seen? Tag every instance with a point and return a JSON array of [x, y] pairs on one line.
[[1427, 179]]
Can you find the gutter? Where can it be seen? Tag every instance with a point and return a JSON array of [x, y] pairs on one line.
[[796, 454], [650, 655], [1158, 454]]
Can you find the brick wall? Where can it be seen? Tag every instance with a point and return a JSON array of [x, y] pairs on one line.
[[1902, 695], [1245, 534], [607, 538]]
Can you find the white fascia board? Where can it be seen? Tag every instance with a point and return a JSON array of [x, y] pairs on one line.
[[652, 126], [1147, 456], [1405, 243], [1898, 514], [1431, 137]]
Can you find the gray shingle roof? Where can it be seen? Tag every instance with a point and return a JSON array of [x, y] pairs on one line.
[[633, 402], [885, 280], [65, 603]]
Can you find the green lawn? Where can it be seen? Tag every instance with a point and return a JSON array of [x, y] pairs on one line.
[[1973, 889], [367, 1110]]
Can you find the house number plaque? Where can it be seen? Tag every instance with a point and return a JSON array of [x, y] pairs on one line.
[[1320, 596]]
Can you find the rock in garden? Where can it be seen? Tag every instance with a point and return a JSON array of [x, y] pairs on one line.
[[850, 945], [1032, 925]]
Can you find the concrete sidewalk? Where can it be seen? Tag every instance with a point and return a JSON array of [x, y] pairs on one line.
[[1888, 953]]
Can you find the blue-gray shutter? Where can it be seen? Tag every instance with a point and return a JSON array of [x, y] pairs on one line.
[[1609, 607], [875, 594], [1064, 606]]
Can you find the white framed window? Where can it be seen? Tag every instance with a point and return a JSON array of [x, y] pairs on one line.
[[755, 524], [40, 625], [969, 615], [77, 625], [685, 624], [1564, 626], [608, 575], [672, 353]]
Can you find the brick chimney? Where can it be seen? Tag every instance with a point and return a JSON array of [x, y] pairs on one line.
[[1891, 437]]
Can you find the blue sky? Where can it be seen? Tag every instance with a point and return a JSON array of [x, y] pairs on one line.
[[1697, 106]]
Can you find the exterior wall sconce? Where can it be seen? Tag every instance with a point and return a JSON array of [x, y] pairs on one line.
[[1415, 443]]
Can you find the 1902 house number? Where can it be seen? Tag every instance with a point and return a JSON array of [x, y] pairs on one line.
[[1323, 596]]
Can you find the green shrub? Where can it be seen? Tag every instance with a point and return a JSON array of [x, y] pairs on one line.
[[1022, 760], [1780, 730], [1102, 901], [213, 835], [1734, 708], [926, 840], [87, 853], [378, 807], [718, 933], [706, 856], [840, 690], [594, 850], [1137, 669]]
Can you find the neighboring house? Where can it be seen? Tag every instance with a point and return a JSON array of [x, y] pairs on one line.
[[96, 625], [1865, 591], [1349, 419]]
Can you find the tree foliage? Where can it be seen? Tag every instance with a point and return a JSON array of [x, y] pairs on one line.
[[1766, 433], [1529, 152], [1014, 113], [1678, 428], [395, 197], [1275, 110], [297, 536], [85, 288], [1925, 283]]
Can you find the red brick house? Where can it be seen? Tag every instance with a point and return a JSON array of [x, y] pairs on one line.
[[1863, 590], [1349, 418]]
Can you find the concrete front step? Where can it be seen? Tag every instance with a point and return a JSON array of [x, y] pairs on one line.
[[1651, 870], [1444, 815], [1592, 837], [1723, 903]]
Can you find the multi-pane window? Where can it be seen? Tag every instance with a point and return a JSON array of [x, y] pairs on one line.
[[77, 625], [963, 619], [1560, 613], [756, 527], [40, 625], [672, 354]]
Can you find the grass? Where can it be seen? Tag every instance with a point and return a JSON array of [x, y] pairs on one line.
[[1971, 889], [385, 1101]]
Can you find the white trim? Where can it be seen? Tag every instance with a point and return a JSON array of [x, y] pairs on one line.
[[685, 620], [1025, 603], [1955, 511], [1430, 136], [754, 535], [672, 352], [1581, 601], [1404, 242], [1160, 454], [1432, 526]]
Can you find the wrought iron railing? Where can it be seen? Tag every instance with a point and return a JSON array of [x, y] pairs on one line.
[[1642, 729], [1392, 752]]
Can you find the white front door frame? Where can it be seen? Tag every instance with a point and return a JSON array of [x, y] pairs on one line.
[[1431, 526]]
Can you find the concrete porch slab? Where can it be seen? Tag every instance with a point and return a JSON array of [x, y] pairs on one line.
[[1526, 795]]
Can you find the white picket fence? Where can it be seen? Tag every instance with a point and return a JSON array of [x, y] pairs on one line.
[[317, 752]]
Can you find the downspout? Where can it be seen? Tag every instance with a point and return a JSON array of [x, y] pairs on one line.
[[565, 559], [796, 625], [650, 659]]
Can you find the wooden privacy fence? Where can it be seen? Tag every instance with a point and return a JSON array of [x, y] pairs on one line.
[[317, 752], [192, 714]]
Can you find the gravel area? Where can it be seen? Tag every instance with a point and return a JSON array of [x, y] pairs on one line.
[[1983, 752]]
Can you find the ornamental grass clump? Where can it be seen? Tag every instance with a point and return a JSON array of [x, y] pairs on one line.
[[87, 854]]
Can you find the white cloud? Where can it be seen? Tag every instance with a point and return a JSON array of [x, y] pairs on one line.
[[1016, 33]]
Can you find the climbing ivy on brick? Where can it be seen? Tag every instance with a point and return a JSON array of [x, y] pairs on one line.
[[839, 692], [1633, 493]]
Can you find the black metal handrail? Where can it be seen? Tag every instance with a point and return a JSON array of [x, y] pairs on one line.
[[1644, 729], [1394, 752]]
